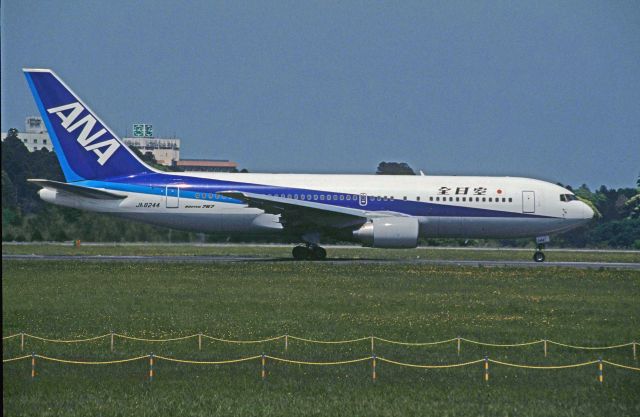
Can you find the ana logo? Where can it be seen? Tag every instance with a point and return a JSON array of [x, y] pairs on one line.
[[87, 123]]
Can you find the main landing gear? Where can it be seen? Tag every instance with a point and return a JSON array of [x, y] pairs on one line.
[[310, 252]]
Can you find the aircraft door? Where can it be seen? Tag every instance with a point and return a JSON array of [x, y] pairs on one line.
[[363, 200], [528, 202], [173, 197]]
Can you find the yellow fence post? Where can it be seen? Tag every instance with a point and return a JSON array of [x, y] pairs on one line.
[[286, 342], [33, 365], [486, 368], [111, 340], [22, 343], [458, 345], [371, 344], [264, 367], [374, 376], [634, 351], [151, 367], [600, 374], [199, 341], [545, 348]]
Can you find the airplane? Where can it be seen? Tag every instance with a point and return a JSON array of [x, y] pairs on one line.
[[103, 175]]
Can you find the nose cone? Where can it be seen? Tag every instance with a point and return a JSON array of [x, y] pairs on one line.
[[587, 212]]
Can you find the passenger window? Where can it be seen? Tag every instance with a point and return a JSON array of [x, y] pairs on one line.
[[321, 196], [404, 198], [464, 198], [431, 198], [348, 196], [418, 198], [329, 197], [450, 198], [315, 197], [437, 198], [197, 195], [457, 198], [341, 197], [504, 200], [510, 199], [484, 199]]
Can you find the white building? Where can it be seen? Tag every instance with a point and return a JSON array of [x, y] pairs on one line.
[[166, 151], [35, 136]]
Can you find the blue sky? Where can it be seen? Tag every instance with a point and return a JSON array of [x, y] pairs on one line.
[[543, 89]]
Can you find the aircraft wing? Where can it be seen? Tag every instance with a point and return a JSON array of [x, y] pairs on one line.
[[78, 190], [301, 213]]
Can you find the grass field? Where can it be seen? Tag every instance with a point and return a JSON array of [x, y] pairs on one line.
[[321, 301], [333, 253]]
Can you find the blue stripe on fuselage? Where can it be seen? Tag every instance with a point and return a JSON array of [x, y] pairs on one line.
[[156, 183]]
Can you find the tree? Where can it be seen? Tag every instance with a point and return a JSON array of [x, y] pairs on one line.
[[149, 159], [12, 133], [394, 168], [9, 199], [632, 205]]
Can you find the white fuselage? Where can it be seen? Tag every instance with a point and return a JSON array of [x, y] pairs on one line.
[[446, 206]]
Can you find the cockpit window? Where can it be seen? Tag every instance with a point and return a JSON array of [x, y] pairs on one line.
[[567, 197]]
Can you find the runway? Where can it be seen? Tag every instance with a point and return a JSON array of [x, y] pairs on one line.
[[336, 261]]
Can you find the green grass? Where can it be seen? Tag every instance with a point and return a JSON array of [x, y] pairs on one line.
[[333, 253], [322, 301]]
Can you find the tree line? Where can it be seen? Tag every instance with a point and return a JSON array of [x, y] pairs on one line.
[[25, 217]]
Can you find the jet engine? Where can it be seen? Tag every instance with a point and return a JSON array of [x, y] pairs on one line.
[[389, 232]]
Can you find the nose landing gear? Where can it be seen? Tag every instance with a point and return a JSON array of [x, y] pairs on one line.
[[309, 252], [538, 256]]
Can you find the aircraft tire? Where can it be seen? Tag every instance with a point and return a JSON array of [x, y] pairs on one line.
[[301, 253], [538, 256], [318, 253]]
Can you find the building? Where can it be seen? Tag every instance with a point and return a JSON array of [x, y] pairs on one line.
[[166, 151], [35, 136], [210, 165]]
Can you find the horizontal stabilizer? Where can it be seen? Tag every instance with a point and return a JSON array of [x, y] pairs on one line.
[[78, 190]]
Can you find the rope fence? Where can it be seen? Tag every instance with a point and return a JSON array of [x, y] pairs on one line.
[[288, 338], [153, 359]]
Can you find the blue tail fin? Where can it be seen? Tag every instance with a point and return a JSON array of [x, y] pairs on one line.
[[86, 148]]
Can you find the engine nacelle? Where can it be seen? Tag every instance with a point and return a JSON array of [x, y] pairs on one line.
[[389, 232]]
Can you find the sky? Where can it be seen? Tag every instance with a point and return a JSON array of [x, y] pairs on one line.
[[541, 89]]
